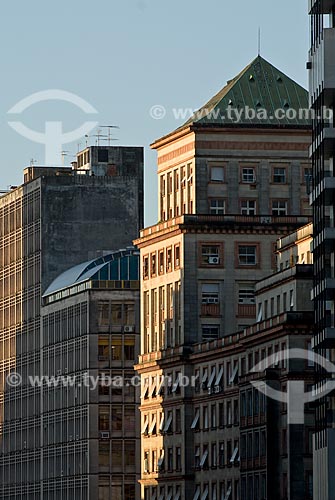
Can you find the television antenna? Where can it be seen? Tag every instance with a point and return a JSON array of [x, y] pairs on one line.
[[109, 127]]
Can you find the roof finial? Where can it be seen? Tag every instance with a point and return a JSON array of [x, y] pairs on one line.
[[259, 41]]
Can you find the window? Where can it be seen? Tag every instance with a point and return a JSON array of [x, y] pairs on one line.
[[246, 294], [103, 418], [210, 293], [176, 180], [243, 405], [117, 418], [247, 255], [204, 458], [116, 314], [256, 445], [178, 420], [210, 254], [169, 260], [229, 451], [104, 453], [229, 414], [129, 453], [117, 453], [210, 332], [308, 178], [103, 313], [170, 459], [248, 175], [177, 256], [103, 155], [197, 457], [178, 458], [217, 207], [153, 264], [221, 415], [116, 348], [214, 455], [146, 267], [217, 174], [161, 261], [263, 443], [221, 454], [213, 416], [205, 417], [279, 208], [279, 175], [248, 207], [129, 349], [236, 412], [103, 348]]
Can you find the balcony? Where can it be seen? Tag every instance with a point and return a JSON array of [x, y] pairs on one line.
[[322, 73], [326, 139], [327, 236], [246, 310], [324, 339], [327, 285], [210, 309], [326, 187]]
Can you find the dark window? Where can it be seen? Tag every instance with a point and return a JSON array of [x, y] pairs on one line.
[[279, 175], [103, 155]]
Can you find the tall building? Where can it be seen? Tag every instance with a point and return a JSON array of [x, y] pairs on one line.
[[223, 162], [228, 189], [322, 86], [55, 220], [90, 440], [207, 432]]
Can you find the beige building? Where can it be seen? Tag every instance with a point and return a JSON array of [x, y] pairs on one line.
[[227, 192], [207, 433]]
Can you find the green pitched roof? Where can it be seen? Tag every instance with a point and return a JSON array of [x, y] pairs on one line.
[[260, 87]]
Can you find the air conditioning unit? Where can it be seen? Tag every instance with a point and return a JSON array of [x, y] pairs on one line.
[[217, 389], [213, 260], [247, 301], [129, 328], [104, 435], [212, 301]]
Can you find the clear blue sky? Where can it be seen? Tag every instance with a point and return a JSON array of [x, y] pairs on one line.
[[124, 57]]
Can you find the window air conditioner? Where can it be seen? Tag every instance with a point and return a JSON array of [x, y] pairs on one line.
[[213, 260], [129, 328]]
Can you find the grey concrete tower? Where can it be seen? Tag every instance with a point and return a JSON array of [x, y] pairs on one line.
[[322, 90]]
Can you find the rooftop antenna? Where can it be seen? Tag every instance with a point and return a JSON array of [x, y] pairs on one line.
[[32, 162], [109, 132], [66, 153], [259, 41], [99, 136]]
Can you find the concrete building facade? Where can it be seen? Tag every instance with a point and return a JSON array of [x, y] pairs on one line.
[[90, 442], [322, 86], [55, 220]]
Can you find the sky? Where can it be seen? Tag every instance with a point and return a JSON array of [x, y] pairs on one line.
[[124, 58]]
